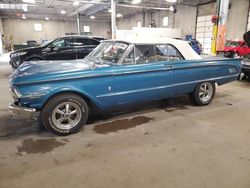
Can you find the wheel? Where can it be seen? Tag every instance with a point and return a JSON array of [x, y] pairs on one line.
[[235, 55], [203, 93], [65, 114]]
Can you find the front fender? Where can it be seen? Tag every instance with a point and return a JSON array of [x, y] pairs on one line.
[[36, 97]]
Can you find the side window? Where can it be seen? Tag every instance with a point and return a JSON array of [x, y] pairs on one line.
[[173, 53], [78, 42], [62, 43], [130, 58], [161, 52], [88, 42], [95, 42], [144, 54]]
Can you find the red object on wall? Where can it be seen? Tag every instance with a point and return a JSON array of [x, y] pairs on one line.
[[214, 18]]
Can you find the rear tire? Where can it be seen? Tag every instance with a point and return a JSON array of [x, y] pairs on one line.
[[65, 114], [203, 93]]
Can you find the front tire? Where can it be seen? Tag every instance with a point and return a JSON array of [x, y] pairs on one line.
[[203, 93], [65, 114]]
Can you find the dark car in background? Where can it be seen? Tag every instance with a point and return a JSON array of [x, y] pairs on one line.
[[63, 48]]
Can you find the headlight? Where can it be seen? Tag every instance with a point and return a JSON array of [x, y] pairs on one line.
[[17, 54]]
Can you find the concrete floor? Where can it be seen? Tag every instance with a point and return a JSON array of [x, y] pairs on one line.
[[168, 143]]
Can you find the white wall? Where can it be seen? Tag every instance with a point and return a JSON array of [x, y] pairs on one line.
[[1, 26], [23, 30], [176, 20], [185, 19], [237, 19]]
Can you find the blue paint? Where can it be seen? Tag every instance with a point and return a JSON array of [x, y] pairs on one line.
[[110, 85]]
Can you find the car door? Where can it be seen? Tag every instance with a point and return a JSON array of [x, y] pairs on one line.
[[84, 46], [144, 75], [60, 49]]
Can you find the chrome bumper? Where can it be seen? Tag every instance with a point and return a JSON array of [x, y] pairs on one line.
[[22, 112]]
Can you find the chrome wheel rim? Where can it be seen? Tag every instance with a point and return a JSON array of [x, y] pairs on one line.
[[205, 92], [66, 115]]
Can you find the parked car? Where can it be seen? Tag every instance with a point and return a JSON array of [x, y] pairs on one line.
[[235, 49], [64, 48], [245, 69], [115, 74], [31, 43], [196, 45]]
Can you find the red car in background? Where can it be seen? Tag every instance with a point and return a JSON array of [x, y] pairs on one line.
[[235, 49]]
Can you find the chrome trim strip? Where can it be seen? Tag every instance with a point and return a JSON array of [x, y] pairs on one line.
[[128, 72], [162, 87]]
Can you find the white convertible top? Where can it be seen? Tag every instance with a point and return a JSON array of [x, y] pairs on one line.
[[185, 49]]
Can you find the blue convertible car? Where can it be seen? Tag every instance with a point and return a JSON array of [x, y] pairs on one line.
[[115, 73]]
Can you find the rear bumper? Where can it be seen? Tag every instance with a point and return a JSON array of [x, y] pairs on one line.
[[23, 112]]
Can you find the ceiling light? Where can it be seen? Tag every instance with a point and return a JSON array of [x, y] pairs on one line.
[[23, 17], [29, 1], [63, 12], [135, 1], [171, 1], [118, 15], [76, 3], [92, 17], [110, 10], [171, 8], [46, 18]]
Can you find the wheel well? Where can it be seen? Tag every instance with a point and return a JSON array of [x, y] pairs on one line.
[[89, 102]]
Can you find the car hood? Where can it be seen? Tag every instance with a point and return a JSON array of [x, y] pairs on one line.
[[41, 71], [29, 49]]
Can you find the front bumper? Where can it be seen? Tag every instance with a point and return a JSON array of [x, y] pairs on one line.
[[23, 112], [245, 70]]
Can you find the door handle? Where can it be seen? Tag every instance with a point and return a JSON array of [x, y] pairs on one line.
[[169, 66]]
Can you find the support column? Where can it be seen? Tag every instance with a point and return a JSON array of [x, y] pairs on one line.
[[78, 23], [222, 29], [113, 18]]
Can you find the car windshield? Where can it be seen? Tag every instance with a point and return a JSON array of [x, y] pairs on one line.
[[108, 51]]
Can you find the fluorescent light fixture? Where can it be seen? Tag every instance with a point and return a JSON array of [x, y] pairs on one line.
[[171, 8], [23, 17], [29, 1], [135, 2], [46, 18], [76, 3], [92, 17], [118, 15], [63, 12], [110, 10], [171, 1]]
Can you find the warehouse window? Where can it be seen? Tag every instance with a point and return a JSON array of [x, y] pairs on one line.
[[165, 21]]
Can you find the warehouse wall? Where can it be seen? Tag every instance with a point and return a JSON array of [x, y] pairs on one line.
[[23, 30], [237, 19], [176, 20], [1, 26]]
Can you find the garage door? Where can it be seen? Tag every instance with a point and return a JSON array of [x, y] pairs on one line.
[[204, 33]]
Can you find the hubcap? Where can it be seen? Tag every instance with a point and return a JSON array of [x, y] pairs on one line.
[[66, 115], [205, 92]]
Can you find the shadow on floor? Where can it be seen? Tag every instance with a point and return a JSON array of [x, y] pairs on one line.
[[11, 127]]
